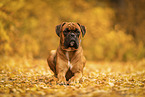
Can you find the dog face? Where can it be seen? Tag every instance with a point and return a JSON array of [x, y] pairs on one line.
[[70, 35]]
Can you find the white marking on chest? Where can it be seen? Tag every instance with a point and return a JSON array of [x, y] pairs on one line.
[[80, 40], [69, 64]]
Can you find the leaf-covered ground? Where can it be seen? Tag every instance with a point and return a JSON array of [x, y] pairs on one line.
[[28, 77]]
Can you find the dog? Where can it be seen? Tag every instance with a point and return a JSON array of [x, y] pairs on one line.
[[68, 61]]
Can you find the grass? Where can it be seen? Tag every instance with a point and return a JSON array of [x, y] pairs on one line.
[[31, 77]]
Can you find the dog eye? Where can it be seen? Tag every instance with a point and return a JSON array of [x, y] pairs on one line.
[[76, 31], [65, 33]]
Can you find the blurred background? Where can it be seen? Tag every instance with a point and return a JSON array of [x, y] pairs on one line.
[[115, 28]]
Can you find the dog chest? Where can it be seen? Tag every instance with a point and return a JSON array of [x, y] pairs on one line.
[[69, 64]]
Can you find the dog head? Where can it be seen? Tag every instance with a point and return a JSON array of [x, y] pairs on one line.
[[70, 35]]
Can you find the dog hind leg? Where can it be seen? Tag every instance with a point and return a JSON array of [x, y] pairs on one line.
[[52, 61]]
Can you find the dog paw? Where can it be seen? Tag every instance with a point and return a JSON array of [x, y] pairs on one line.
[[60, 82], [73, 81]]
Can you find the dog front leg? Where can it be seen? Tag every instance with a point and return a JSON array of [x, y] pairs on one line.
[[76, 77], [61, 78], [61, 75]]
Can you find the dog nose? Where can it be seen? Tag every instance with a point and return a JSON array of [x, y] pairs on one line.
[[72, 35]]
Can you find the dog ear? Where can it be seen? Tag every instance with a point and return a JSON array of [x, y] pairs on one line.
[[83, 29], [58, 29]]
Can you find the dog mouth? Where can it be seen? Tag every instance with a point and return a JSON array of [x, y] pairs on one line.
[[71, 43]]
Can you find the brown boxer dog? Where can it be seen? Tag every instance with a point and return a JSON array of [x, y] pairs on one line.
[[68, 61]]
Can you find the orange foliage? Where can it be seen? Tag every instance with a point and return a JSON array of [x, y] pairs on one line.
[[27, 28]]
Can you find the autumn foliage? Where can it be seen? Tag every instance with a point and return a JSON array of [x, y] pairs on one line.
[[115, 28], [28, 77]]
